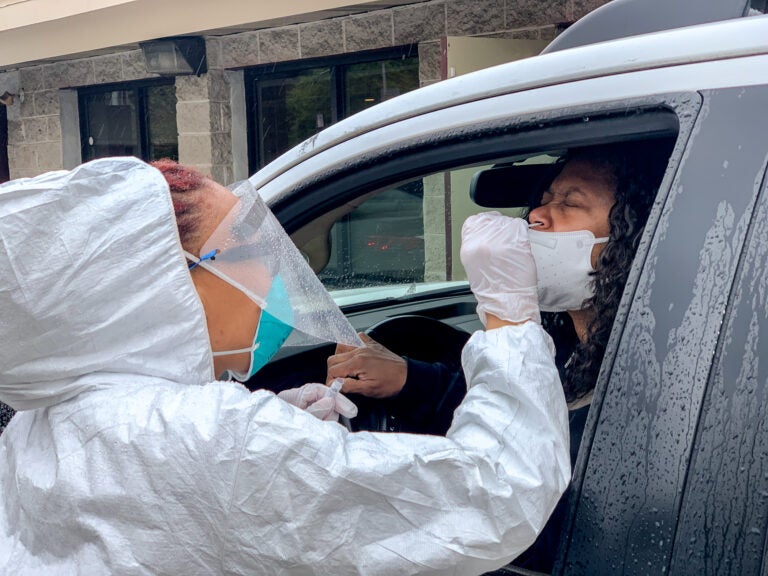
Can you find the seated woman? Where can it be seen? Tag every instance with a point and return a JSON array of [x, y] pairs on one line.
[[601, 196]]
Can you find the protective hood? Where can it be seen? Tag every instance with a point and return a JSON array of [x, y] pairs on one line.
[[93, 284]]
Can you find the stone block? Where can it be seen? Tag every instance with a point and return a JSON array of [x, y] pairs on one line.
[[195, 149], [419, 22], [226, 118], [240, 50], [35, 129], [220, 114], [434, 215], [31, 78], [219, 173], [215, 117], [430, 61], [579, 8], [15, 132], [192, 88], [279, 44], [221, 148], [321, 38], [108, 68], [373, 30], [67, 74], [218, 86], [469, 17], [27, 107], [213, 53], [23, 172], [529, 13], [434, 258], [54, 127], [193, 117], [134, 66], [49, 156], [22, 157], [434, 186], [46, 102], [204, 169]]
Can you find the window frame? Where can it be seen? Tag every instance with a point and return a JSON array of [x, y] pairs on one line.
[[142, 119], [276, 71]]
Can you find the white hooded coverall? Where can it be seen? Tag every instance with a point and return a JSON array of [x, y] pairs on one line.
[[126, 457]]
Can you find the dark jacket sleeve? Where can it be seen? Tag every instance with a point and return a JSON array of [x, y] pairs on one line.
[[431, 393]]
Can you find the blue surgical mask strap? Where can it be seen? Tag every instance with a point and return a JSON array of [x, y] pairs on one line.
[[210, 256]]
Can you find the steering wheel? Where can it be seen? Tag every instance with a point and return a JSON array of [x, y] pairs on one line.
[[419, 338]]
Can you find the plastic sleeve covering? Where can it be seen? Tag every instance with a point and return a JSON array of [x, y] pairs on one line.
[[311, 498]]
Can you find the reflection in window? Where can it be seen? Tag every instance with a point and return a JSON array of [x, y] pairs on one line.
[[402, 236], [373, 82], [379, 243], [129, 121]]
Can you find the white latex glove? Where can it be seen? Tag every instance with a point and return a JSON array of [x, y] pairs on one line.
[[496, 254], [313, 399]]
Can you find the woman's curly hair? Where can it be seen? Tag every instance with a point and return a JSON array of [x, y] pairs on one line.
[[637, 169]]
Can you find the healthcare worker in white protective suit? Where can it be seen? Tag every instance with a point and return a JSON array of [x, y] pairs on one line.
[[126, 456]]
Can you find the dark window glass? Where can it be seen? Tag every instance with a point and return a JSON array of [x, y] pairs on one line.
[[162, 133], [291, 102], [379, 243], [373, 82], [292, 109], [111, 124], [129, 121]]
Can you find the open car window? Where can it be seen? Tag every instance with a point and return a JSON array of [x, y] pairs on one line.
[[394, 242]]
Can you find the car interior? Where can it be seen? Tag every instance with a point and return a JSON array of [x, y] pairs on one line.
[[411, 311]]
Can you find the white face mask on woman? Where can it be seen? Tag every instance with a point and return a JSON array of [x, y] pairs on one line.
[[563, 265]]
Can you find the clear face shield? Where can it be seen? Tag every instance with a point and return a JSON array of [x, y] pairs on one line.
[[251, 251]]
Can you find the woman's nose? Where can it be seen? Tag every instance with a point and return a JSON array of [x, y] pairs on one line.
[[540, 217]]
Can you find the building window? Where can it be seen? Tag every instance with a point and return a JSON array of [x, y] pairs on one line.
[[129, 120], [290, 102]]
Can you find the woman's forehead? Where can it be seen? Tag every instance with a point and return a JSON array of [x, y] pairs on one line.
[[581, 176]]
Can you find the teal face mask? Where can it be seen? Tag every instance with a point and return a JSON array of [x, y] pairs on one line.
[[271, 332]]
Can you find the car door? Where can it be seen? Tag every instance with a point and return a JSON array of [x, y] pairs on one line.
[[672, 475]]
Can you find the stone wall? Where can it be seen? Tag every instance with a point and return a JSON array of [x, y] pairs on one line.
[[423, 23], [34, 133], [204, 121]]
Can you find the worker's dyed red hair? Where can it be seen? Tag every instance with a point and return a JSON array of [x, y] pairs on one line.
[[180, 178], [184, 183]]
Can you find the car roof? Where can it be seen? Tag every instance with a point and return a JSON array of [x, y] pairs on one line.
[[702, 43]]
